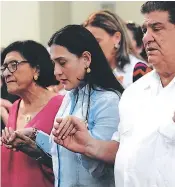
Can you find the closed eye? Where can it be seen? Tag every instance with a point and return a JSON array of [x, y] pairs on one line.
[[62, 63]]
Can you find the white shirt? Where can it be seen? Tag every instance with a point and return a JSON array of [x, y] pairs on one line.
[[146, 156], [126, 77]]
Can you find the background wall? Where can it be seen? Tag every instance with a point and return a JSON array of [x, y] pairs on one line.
[[38, 20], [19, 20]]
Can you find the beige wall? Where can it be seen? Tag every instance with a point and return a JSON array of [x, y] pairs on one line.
[[81, 10], [53, 16], [39, 20], [19, 20], [130, 10]]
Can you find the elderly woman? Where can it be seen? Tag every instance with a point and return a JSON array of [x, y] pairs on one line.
[[111, 33], [28, 70], [93, 95]]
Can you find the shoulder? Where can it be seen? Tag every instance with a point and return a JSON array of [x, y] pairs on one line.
[[105, 96], [138, 86], [55, 102], [57, 99]]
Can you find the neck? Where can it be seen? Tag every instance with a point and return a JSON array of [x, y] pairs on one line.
[[166, 78], [34, 98], [113, 63]]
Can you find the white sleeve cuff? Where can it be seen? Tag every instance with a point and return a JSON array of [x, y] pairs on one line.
[[116, 137]]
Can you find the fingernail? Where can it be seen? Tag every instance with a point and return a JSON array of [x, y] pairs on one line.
[[64, 137]]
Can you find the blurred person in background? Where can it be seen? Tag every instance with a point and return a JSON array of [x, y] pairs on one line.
[[111, 33], [28, 71], [92, 96], [57, 88], [136, 35], [5, 102]]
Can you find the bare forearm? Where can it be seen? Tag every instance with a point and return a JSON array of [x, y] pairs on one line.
[[102, 150]]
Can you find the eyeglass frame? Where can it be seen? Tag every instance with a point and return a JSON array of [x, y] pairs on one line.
[[7, 64]]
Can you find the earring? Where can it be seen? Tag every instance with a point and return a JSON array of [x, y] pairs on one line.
[[117, 46], [88, 70], [35, 77]]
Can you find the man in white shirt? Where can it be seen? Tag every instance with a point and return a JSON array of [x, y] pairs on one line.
[[144, 146]]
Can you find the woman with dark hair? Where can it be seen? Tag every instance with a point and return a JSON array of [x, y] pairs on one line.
[[93, 96], [27, 70], [136, 35], [111, 33]]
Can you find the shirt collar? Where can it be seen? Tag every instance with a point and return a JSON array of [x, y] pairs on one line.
[[154, 79], [83, 88]]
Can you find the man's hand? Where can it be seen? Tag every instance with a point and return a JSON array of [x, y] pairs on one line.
[[72, 134]]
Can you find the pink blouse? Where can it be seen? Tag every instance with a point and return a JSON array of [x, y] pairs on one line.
[[20, 170]]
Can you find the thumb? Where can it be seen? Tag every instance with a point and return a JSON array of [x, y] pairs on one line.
[[12, 137], [22, 136]]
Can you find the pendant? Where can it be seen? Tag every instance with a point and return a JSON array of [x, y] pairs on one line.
[[28, 118]]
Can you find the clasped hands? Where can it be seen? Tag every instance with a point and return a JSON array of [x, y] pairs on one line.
[[18, 140], [72, 133]]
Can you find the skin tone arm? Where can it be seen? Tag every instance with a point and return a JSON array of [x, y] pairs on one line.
[[4, 107], [72, 133], [102, 150]]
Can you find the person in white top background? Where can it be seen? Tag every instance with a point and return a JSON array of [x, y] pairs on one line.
[[111, 33], [143, 148]]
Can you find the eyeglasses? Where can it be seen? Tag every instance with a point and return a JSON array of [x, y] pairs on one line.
[[11, 66]]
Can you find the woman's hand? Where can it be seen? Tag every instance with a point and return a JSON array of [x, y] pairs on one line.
[[18, 140], [7, 133], [25, 144], [71, 133]]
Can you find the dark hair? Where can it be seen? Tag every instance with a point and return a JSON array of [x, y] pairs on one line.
[[151, 6], [37, 56], [78, 39], [112, 23], [138, 35]]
